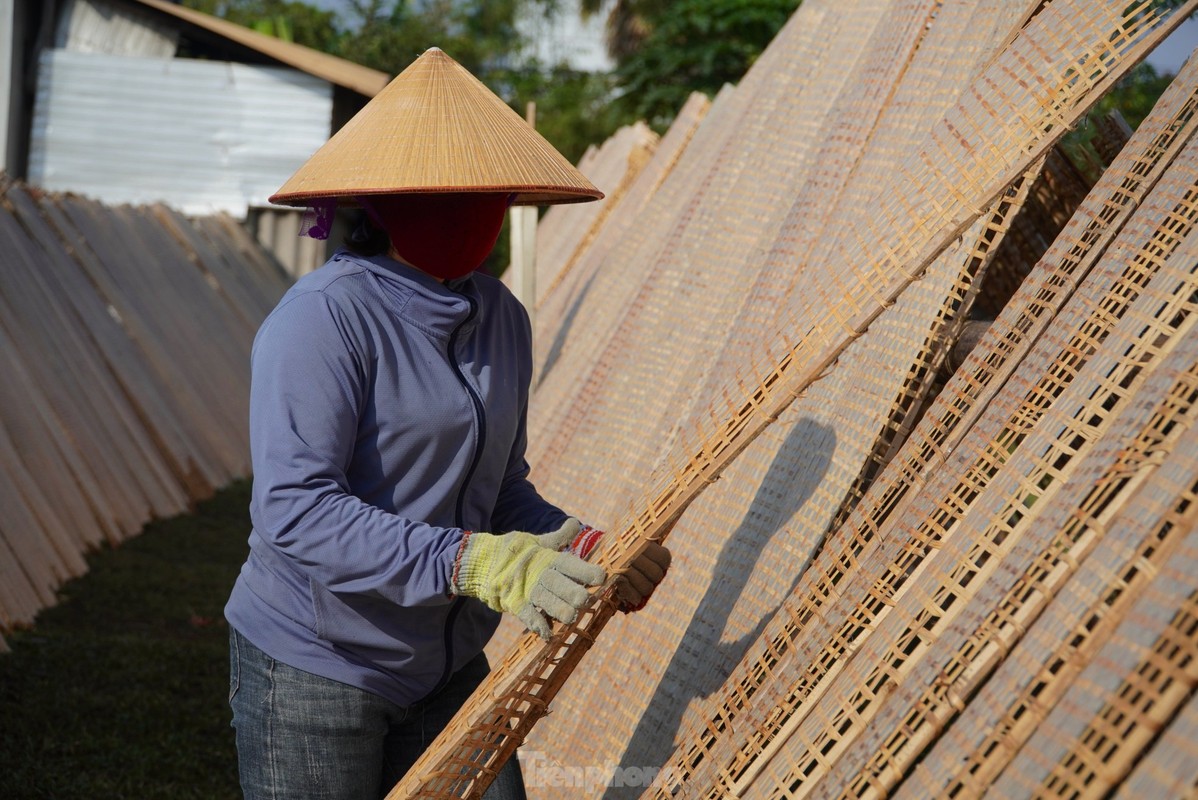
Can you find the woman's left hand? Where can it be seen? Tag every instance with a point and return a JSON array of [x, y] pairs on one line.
[[636, 584]]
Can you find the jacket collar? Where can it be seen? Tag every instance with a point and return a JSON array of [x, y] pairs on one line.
[[439, 308]]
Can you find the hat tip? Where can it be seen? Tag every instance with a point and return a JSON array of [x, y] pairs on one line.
[[433, 49]]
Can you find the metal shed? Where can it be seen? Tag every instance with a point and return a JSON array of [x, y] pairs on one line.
[[109, 109]]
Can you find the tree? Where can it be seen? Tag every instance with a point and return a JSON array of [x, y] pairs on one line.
[[1135, 94], [481, 36], [289, 20], [628, 23], [573, 108], [666, 50]]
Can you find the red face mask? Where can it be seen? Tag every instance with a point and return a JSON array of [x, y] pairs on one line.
[[445, 235]]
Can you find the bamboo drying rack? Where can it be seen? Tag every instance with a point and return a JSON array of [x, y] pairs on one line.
[[944, 190]]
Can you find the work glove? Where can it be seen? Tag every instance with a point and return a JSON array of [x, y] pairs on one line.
[[527, 575], [644, 574]]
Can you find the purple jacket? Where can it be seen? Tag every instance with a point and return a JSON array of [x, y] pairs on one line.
[[387, 415]]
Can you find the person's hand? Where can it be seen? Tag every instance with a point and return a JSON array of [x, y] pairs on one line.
[[527, 575], [637, 583], [647, 570]]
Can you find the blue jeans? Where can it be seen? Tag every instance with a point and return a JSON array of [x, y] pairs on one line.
[[304, 737]]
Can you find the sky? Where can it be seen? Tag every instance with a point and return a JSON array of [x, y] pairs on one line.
[[1170, 54]]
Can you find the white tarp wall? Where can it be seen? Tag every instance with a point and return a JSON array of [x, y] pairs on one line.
[[201, 136]]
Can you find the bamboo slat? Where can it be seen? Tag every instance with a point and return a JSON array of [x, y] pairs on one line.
[[61, 277], [266, 278], [1170, 767], [147, 304], [994, 567], [64, 364], [594, 287], [1116, 542], [32, 462], [563, 229], [933, 200], [124, 342], [226, 277], [769, 675], [216, 343]]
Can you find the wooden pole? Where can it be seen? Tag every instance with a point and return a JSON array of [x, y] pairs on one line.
[[524, 245]]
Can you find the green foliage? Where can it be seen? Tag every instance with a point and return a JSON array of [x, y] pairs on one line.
[[574, 109], [1135, 95], [290, 20], [120, 690], [391, 33], [695, 45]]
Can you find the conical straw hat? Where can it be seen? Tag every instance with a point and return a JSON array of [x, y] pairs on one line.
[[437, 128]]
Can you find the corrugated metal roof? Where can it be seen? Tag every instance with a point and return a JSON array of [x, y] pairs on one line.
[[202, 136], [87, 26], [363, 80]]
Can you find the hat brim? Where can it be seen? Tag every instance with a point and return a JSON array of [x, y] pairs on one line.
[[524, 195]]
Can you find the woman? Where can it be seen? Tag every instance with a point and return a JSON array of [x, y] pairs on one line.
[[393, 519]]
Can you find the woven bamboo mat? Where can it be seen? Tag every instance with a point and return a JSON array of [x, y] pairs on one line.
[[1130, 689], [563, 229], [124, 339], [1169, 768], [718, 173], [586, 275], [629, 199], [883, 125], [989, 569], [569, 360], [711, 752], [780, 496], [775, 502], [695, 282], [644, 279], [592, 287], [925, 205], [1120, 535], [573, 292], [820, 448]]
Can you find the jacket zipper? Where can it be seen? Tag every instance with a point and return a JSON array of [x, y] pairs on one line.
[[460, 508]]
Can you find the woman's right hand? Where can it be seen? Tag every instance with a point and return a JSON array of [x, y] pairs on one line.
[[526, 575]]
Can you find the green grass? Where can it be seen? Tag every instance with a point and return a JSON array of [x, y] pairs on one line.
[[120, 691]]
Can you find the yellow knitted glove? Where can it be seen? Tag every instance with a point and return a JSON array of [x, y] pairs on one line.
[[524, 574]]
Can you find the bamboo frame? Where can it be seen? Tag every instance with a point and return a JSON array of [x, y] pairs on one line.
[[895, 246], [760, 696]]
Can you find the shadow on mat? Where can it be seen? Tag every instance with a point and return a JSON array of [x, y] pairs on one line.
[[796, 471]]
